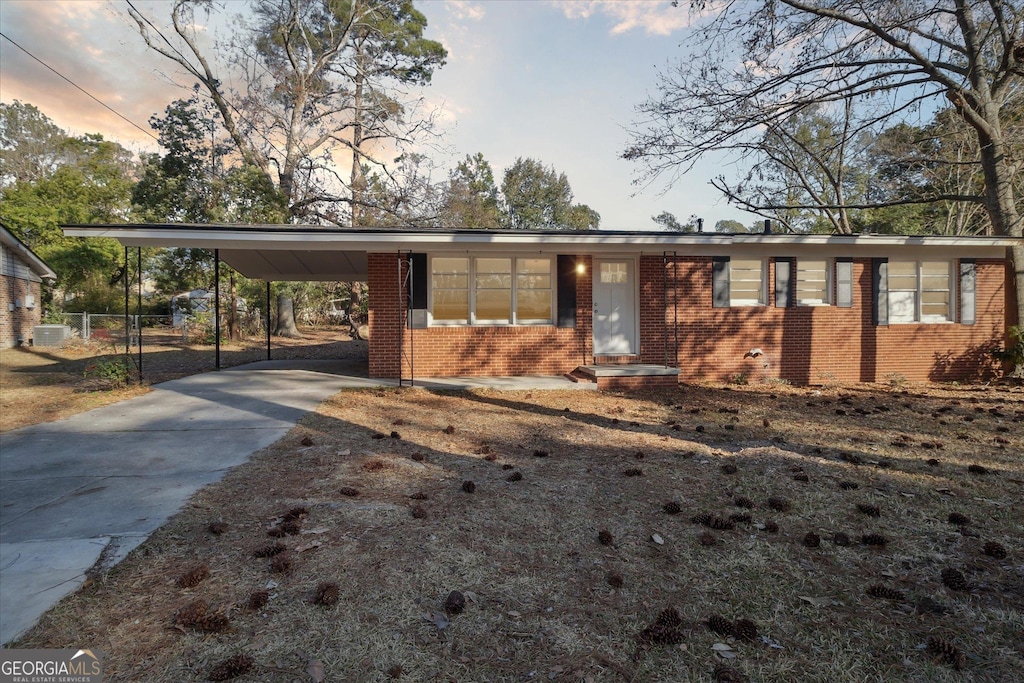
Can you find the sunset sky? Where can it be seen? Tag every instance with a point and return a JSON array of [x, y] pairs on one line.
[[557, 81]]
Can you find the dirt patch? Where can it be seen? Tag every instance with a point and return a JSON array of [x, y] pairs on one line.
[[42, 384], [578, 571]]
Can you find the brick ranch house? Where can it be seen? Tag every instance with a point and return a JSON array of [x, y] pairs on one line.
[[641, 308], [21, 277]]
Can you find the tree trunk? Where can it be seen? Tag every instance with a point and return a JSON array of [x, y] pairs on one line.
[[355, 308], [233, 334], [285, 317]]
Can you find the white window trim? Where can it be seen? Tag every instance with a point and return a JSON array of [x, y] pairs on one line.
[[830, 270], [953, 288], [762, 293], [473, 320]]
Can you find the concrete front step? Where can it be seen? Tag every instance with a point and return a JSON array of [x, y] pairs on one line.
[[633, 376]]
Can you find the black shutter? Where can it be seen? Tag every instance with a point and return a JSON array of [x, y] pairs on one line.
[[785, 282], [880, 291], [968, 281], [844, 282], [566, 269], [720, 282], [417, 294]]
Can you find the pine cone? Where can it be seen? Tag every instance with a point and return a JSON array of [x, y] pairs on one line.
[[233, 667], [633, 472], [729, 468], [771, 527], [669, 617], [719, 624], [326, 594], [958, 518], [604, 537], [993, 549], [740, 518], [217, 528], [879, 591], [665, 630], [743, 502], [194, 576], [469, 486], [515, 476], [779, 504], [702, 518], [812, 540], [672, 508], [270, 550], [744, 629], [954, 580], [418, 512], [801, 477], [419, 495], [720, 524], [977, 469], [707, 538], [291, 527], [869, 510], [349, 491], [946, 652], [540, 453], [874, 540], [281, 563], [258, 599], [841, 539], [212, 623], [615, 580], [455, 603], [849, 485], [296, 513], [190, 614]]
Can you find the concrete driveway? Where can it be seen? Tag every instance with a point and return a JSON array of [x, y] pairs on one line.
[[83, 492]]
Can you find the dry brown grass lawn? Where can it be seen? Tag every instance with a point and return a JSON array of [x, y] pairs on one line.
[[527, 556]]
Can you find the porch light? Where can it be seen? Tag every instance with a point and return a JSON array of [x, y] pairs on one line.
[[581, 268]]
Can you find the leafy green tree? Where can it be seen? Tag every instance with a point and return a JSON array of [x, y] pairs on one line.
[[471, 196], [30, 143], [539, 198], [729, 226]]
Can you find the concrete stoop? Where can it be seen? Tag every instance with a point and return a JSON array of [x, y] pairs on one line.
[[629, 377]]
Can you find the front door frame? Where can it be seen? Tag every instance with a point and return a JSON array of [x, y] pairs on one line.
[[635, 300]]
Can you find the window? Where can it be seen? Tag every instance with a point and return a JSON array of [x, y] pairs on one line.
[[919, 291], [450, 287], [504, 290], [533, 290], [813, 283], [746, 282], [614, 273]]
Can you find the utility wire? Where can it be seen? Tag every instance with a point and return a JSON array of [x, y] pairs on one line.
[[100, 102]]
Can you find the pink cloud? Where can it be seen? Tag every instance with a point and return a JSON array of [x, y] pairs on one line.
[[653, 18]]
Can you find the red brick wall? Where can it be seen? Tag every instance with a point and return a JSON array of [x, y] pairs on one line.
[[18, 324], [812, 344], [805, 345], [470, 351]]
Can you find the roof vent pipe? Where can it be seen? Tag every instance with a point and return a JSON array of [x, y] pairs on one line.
[[767, 226], [700, 225]]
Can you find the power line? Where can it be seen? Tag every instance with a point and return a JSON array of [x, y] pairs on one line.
[[96, 99]]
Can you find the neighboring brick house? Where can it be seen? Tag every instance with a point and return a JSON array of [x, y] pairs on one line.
[[21, 276], [803, 308]]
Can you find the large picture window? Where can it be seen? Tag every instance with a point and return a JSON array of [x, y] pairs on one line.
[[919, 291], [492, 290]]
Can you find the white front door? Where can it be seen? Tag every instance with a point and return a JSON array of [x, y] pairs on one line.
[[614, 307]]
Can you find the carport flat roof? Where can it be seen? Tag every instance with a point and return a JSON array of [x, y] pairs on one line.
[[311, 252]]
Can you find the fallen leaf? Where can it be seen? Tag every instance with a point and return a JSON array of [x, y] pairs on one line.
[[438, 619], [316, 671], [721, 647], [657, 539], [513, 613], [817, 602], [309, 546], [470, 596], [318, 530]]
